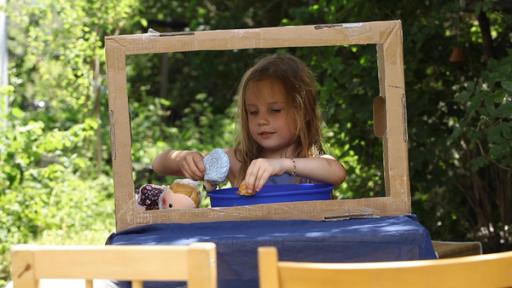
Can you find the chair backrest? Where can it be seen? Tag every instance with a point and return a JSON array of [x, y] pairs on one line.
[[195, 264], [490, 270]]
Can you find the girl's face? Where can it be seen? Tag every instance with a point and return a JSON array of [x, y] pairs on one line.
[[270, 117]]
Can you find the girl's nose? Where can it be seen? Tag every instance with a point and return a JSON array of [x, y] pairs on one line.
[[263, 119]]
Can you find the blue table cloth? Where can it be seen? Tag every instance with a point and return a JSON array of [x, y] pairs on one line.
[[351, 240]]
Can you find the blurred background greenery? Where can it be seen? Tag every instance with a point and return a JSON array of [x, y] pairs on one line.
[[55, 173]]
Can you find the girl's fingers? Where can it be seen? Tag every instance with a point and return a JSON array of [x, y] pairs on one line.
[[200, 165], [257, 175], [197, 167], [187, 172], [250, 177], [193, 167], [262, 179]]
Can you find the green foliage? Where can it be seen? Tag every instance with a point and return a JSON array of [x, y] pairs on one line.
[[54, 183], [486, 124], [483, 135], [48, 185]]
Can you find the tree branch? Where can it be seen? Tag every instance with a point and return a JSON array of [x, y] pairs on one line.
[[485, 29]]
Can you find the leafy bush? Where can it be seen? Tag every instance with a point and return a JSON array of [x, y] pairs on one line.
[[54, 184], [482, 137], [49, 187]]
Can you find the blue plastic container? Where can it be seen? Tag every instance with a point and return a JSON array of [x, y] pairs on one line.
[[271, 194]]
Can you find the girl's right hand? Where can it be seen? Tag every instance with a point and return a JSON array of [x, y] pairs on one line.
[[260, 170], [191, 165]]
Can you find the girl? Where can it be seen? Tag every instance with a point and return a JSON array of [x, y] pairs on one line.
[[279, 132]]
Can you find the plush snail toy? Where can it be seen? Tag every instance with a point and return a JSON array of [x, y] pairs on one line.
[[182, 194]]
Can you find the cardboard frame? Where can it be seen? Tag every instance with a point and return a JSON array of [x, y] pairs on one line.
[[389, 117]]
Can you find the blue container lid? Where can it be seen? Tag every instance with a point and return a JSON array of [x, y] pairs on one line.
[[271, 194]]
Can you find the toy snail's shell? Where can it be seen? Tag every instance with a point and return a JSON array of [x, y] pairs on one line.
[[216, 164]]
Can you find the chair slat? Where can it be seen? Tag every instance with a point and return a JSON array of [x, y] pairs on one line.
[[491, 270]]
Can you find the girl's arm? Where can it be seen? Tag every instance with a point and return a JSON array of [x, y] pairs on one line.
[[180, 163], [324, 169]]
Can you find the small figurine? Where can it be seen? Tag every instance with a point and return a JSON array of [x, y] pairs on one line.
[[182, 194]]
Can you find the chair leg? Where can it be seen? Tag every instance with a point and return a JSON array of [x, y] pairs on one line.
[[202, 267], [267, 261]]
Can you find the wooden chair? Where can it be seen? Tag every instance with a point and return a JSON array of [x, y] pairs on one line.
[[490, 270], [195, 264]]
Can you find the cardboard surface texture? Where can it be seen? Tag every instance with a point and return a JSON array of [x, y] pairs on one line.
[[389, 116]]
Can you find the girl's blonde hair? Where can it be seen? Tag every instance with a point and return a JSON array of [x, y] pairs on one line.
[[299, 86]]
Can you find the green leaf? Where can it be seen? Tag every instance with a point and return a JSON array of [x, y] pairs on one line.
[[504, 110], [462, 96], [507, 85], [478, 163], [494, 134]]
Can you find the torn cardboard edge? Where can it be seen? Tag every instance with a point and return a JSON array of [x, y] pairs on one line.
[[389, 117]]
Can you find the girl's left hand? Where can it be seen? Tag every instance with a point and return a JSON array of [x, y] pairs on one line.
[[260, 170]]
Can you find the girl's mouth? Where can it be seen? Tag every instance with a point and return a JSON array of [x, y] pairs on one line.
[[265, 135]]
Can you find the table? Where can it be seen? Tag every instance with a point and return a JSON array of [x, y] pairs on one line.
[[351, 240]]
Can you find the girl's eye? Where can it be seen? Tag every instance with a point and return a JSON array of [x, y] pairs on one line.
[[275, 110], [252, 113]]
